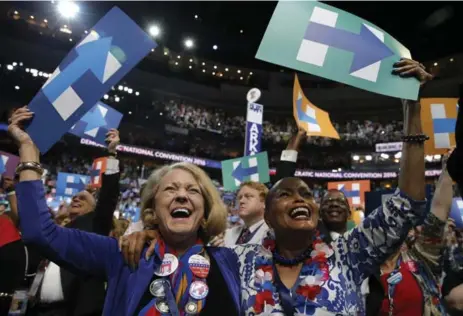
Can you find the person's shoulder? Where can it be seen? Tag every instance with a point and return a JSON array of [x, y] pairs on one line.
[[83, 222]]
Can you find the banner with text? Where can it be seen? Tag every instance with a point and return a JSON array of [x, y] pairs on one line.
[[387, 147], [308, 173], [254, 130]]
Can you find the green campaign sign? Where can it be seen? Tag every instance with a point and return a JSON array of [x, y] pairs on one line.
[[250, 168], [319, 39]]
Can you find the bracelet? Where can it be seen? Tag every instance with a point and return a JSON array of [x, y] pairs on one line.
[[30, 165], [417, 139], [11, 193]]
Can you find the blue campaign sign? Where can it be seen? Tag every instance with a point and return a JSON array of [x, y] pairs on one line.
[[69, 184], [110, 50], [97, 122]]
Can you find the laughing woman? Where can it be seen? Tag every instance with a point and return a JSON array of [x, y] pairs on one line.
[[184, 277], [297, 273]]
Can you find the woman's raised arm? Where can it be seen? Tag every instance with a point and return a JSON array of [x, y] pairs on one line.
[[385, 229], [76, 250]]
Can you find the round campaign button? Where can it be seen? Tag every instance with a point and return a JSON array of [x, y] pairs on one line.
[[253, 95], [199, 266], [168, 266], [191, 308], [162, 307], [157, 288], [199, 290]]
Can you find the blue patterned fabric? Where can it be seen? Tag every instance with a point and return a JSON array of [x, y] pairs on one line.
[[355, 256]]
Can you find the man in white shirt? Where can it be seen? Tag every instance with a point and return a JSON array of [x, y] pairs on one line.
[[251, 199]]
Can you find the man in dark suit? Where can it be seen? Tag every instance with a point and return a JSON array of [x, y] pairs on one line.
[[62, 292]]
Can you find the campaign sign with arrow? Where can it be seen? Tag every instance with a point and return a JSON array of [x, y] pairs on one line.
[[97, 122], [69, 184], [8, 164], [312, 119], [106, 54], [316, 38], [249, 168]]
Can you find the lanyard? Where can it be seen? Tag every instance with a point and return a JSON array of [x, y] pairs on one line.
[[395, 277], [287, 301], [179, 282]]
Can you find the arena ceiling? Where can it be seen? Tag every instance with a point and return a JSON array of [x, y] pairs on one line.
[[429, 29]]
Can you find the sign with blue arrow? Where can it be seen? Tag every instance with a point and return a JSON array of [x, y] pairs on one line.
[[249, 168], [69, 184], [97, 122], [105, 55], [319, 39]]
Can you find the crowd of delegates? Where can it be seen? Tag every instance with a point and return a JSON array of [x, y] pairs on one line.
[[287, 255], [213, 119]]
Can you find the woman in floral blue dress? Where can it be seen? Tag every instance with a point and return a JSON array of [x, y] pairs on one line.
[[295, 272]]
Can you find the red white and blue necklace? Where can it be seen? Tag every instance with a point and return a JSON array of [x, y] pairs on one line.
[[315, 269]]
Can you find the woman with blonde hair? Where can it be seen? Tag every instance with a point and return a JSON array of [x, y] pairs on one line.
[[184, 277]]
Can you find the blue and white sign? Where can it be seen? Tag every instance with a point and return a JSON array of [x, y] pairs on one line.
[[97, 122], [69, 184], [254, 129], [456, 212], [110, 50]]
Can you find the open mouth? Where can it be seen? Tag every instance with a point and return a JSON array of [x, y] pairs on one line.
[[335, 211], [180, 213], [300, 213]]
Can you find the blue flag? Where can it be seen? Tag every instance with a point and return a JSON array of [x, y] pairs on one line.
[[110, 50], [69, 184], [97, 122]]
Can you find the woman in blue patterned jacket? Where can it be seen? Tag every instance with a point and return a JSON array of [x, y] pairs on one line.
[[295, 272]]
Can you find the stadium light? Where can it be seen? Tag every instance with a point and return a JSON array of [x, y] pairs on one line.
[[190, 67], [16, 87], [176, 63], [116, 99], [215, 47], [9, 67], [178, 57], [68, 9], [189, 43], [384, 156], [368, 158], [130, 112], [106, 97], [130, 91], [15, 64], [356, 158], [16, 12], [241, 78], [215, 67], [437, 157], [137, 93], [428, 158], [154, 30], [226, 69], [196, 16], [204, 64], [120, 88], [398, 155], [238, 71]]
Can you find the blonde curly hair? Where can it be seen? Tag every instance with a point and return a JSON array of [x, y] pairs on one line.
[[215, 212]]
